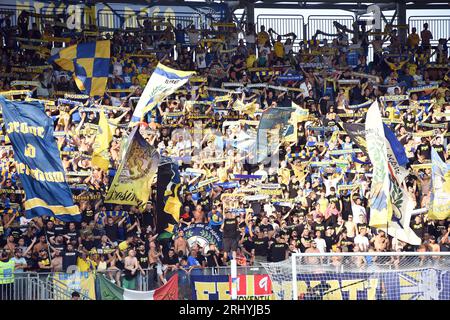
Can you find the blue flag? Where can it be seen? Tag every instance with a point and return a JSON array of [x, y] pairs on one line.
[[397, 147], [38, 161], [88, 63]]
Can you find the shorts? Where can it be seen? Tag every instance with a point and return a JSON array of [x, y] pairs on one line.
[[230, 244]]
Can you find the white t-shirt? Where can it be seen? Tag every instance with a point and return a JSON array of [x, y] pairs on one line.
[[305, 87], [262, 173], [250, 38], [357, 210], [288, 47], [117, 68], [269, 209], [115, 102], [391, 90], [330, 183], [24, 221], [321, 245], [19, 261], [264, 52], [193, 37], [362, 242]]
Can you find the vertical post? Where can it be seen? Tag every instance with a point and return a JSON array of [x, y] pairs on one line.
[[234, 279], [305, 30], [294, 277], [250, 12], [401, 12]]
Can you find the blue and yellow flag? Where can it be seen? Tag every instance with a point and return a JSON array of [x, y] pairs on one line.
[[89, 64], [38, 161], [163, 82], [440, 194]]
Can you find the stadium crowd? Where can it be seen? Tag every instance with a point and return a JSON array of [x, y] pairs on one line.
[[313, 208]]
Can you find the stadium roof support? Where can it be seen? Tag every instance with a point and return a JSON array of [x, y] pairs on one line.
[[401, 13]]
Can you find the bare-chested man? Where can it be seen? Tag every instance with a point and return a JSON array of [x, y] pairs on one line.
[[131, 265], [181, 244], [380, 241], [312, 249]]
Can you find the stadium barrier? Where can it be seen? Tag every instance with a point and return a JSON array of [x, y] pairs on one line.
[[36, 286], [60, 285], [362, 276], [317, 276]]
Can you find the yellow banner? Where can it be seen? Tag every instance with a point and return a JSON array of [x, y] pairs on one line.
[[120, 90], [82, 282], [100, 156], [133, 180], [421, 166], [198, 79], [424, 134], [57, 39], [272, 192], [14, 92]]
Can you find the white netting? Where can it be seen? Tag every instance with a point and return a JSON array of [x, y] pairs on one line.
[[362, 276]]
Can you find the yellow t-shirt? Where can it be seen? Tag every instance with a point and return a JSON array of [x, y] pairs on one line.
[[413, 40], [279, 49], [285, 175], [323, 204], [391, 111], [250, 60], [222, 174], [143, 79], [262, 38], [84, 265], [123, 246], [412, 68]]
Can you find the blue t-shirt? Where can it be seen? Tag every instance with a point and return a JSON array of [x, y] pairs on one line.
[[179, 36], [194, 262], [353, 58], [127, 77]]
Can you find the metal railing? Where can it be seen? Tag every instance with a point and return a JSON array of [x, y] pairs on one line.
[[438, 25], [325, 23], [13, 12], [282, 23], [128, 19], [36, 286]]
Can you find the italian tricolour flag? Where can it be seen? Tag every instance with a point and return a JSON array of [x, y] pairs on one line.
[[110, 291]]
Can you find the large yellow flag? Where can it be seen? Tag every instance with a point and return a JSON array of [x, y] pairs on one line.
[[134, 177], [100, 156]]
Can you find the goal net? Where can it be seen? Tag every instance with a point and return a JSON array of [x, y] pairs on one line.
[[362, 276]]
